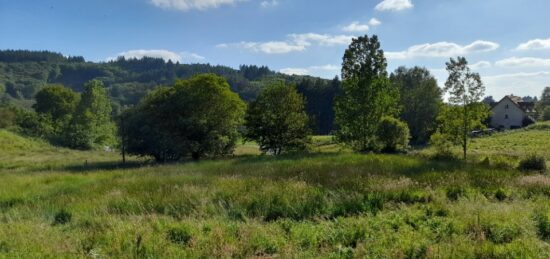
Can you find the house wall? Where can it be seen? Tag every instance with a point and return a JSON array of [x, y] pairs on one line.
[[507, 107]]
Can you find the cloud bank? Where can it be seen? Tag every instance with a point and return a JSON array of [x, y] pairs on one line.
[[394, 5], [443, 49], [185, 5]]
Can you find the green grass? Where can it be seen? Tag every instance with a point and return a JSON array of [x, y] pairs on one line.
[[322, 205]]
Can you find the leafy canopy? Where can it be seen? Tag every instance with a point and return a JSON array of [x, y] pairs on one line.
[[91, 125], [367, 94], [196, 117], [466, 111], [277, 121], [420, 100]]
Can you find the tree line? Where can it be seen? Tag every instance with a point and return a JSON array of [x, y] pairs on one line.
[[203, 116], [128, 80]]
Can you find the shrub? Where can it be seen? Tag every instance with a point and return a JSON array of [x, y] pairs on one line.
[[501, 233], [455, 192], [7, 117], [62, 217], [543, 225], [179, 236], [533, 163], [443, 147], [501, 195], [393, 134], [546, 114]]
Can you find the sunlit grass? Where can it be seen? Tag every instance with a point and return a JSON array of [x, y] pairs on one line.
[[322, 204]]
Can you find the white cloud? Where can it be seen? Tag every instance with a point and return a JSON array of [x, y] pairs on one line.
[[270, 3], [356, 27], [153, 53], [516, 83], [481, 65], [535, 44], [270, 47], [443, 49], [185, 5], [394, 5], [295, 43], [326, 71], [294, 71], [523, 62], [189, 57], [374, 22]]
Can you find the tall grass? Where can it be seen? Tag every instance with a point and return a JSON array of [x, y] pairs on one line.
[[319, 205]]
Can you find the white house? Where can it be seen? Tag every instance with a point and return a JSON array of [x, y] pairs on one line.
[[512, 113]]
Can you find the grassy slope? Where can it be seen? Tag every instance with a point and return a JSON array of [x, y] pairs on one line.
[[517, 143], [19, 153], [320, 205]]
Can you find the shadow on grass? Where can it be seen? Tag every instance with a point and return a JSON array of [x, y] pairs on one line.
[[105, 166]]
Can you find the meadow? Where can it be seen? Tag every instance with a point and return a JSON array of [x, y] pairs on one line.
[[330, 203]]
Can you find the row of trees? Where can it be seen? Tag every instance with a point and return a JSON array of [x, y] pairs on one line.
[[67, 118], [202, 117]]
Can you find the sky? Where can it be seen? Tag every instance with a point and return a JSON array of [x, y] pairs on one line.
[[506, 41]]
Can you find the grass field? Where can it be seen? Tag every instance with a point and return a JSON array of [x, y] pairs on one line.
[[326, 204]]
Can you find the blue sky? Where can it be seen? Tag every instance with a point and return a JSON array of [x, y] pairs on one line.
[[506, 41]]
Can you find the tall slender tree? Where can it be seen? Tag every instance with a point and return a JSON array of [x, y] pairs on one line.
[[465, 90], [91, 124], [420, 100], [367, 94]]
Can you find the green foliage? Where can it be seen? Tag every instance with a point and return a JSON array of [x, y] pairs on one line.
[[320, 95], [456, 123], [127, 81], [466, 112], [546, 113], [533, 163], [420, 101], [367, 94], [542, 223], [197, 117], [443, 147], [393, 134], [8, 116], [57, 101], [91, 124], [180, 236], [62, 217], [276, 120]]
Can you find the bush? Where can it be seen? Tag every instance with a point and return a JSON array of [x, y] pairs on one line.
[[543, 225], [62, 217], [546, 114], [179, 236], [455, 192], [7, 117], [501, 194], [443, 147], [393, 134], [533, 163]]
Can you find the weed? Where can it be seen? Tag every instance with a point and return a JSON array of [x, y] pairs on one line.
[[180, 236], [62, 217]]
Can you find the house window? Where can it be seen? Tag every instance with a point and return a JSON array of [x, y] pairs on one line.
[[506, 116], [506, 108]]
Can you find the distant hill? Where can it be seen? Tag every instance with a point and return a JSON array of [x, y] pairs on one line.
[[23, 73]]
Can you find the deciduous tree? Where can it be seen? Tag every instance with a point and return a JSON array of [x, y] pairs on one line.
[[277, 121], [367, 94], [195, 118], [466, 112], [420, 101]]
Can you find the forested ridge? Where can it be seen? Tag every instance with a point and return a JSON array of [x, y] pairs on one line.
[[23, 73]]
